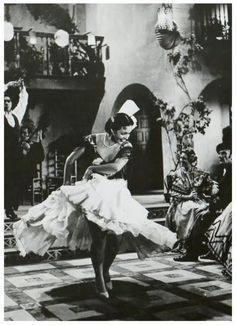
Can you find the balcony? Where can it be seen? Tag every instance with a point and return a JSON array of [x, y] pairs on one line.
[[212, 25], [45, 65]]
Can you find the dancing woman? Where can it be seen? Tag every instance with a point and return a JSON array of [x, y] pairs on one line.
[[96, 211]]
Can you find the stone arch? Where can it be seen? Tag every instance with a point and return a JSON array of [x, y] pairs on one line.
[[147, 165], [217, 95]]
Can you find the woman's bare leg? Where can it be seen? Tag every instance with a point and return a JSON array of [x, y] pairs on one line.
[[97, 254], [112, 248]]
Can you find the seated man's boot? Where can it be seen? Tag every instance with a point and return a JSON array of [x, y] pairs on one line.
[[11, 214], [207, 256], [187, 257]]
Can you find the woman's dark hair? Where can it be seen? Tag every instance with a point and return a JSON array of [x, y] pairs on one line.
[[190, 153], [13, 94], [117, 122]]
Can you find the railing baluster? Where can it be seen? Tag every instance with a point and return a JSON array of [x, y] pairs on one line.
[[47, 55], [84, 57]]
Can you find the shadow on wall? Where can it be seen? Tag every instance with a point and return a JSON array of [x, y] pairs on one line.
[[146, 167]]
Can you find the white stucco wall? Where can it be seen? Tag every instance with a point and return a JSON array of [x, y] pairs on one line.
[[136, 57]]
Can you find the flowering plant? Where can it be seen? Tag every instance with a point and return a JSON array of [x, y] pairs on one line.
[[184, 58], [193, 118]]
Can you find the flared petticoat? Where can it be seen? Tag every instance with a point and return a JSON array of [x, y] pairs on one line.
[[61, 220]]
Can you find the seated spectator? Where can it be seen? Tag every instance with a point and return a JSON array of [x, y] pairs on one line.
[[31, 153], [224, 170], [224, 177], [191, 192]]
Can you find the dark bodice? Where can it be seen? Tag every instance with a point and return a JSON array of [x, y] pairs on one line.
[[123, 151]]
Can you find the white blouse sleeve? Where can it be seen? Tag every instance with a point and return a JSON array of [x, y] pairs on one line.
[[19, 110]]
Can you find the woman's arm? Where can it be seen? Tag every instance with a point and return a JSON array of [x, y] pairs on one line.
[[183, 197], [106, 169], [76, 154]]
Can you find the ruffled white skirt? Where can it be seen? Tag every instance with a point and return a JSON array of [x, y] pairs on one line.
[[62, 219]]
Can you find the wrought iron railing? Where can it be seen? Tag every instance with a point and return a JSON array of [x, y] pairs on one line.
[[212, 22], [41, 56]]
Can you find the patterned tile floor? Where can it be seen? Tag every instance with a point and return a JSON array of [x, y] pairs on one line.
[[154, 289]]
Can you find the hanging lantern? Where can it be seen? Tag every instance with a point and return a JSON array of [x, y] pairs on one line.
[[32, 38], [61, 38], [166, 29], [8, 31], [91, 40]]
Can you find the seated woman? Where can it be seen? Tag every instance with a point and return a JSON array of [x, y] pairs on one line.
[[190, 192], [219, 239], [96, 211]]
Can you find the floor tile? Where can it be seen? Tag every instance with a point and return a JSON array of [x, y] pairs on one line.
[[32, 280], [208, 289], [84, 273], [127, 256], [18, 315], [227, 302], [39, 294], [34, 267], [200, 313], [154, 289], [216, 268], [8, 302], [79, 262], [161, 297], [174, 276], [130, 280], [68, 312], [143, 266], [149, 299]]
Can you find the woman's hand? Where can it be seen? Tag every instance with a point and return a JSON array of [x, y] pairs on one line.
[[97, 161], [193, 195], [25, 145], [88, 173]]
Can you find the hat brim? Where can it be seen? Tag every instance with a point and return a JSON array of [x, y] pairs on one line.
[[222, 146]]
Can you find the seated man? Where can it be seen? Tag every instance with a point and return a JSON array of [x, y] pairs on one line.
[[190, 192], [224, 170]]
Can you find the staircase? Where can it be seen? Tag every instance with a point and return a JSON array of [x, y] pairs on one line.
[[155, 204]]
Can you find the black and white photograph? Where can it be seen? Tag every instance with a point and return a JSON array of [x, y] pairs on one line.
[[117, 149]]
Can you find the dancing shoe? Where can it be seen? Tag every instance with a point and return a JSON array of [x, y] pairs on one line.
[[10, 214], [207, 256], [102, 294], [109, 285]]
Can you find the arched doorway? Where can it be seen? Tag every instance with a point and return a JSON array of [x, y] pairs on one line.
[[146, 174], [217, 95]]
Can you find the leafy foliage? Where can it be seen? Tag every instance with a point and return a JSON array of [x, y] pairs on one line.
[[52, 14], [194, 117], [184, 58]]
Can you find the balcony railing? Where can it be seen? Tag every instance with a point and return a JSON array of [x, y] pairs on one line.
[[212, 22], [41, 56]]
